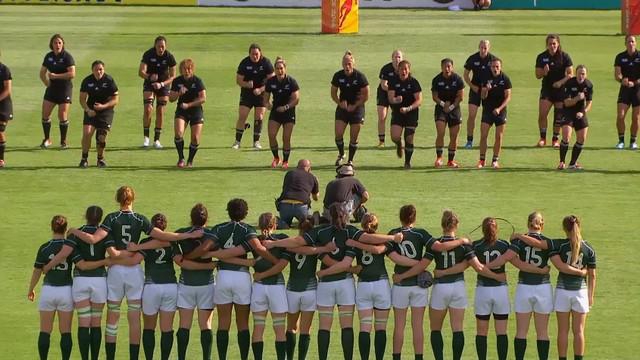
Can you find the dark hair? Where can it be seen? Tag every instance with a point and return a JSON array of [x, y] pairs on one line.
[[125, 195], [97, 62], [237, 209], [93, 215], [59, 224], [305, 226], [158, 39], [445, 61], [160, 221], [490, 230], [339, 216], [558, 55], [408, 214], [266, 222], [54, 37], [497, 59], [255, 46], [199, 215]]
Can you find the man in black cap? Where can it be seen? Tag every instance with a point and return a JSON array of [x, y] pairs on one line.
[[346, 191]]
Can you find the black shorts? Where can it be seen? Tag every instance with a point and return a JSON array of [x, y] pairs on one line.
[[287, 117], [190, 116], [356, 117], [474, 98], [250, 100], [409, 119], [58, 95], [102, 120], [453, 118], [6, 110], [552, 94], [162, 92], [577, 124], [488, 117], [629, 96], [382, 97]]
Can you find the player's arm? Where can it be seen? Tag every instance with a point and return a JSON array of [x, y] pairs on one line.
[[566, 268], [467, 79], [67, 75], [148, 245], [262, 251], [393, 99], [485, 271], [115, 254], [240, 261], [243, 84], [274, 270], [193, 265], [591, 284], [401, 260], [459, 97], [372, 249], [89, 238], [134, 259], [43, 76], [436, 98], [363, 97], [202, 97], [541, 71], [169, 80], [294, 99], [172, 236], [455, 269], [334, 95], [531, 241], [415, 270], [92, 265], [449, 245], [507, 98], [224, 254], [288, 243], [377, 239], [337, 267], [60, 256], [417, 101], [384, 84], [313, 250], [508, 256], [527, 267], [7, 90], [142, 71], [35, 277], [200, 250], [265, 100]]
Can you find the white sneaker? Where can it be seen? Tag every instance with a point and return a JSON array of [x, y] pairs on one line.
[[633, 146], [157, 145], [620, 146], [236, 145], [145, 142], [256, 145]]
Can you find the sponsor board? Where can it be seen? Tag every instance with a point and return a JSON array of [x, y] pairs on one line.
[[463, 4]]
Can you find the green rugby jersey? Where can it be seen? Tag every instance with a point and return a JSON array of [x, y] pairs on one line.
[[125, 227], [322, 235], [533, 256], [302, 272], [414, 244], [263, 265], [586, 258], [373, 265], [60, 275], [486, 253], [231, 234], [158, 265], [184, 247], [89, 252], [448, 259]]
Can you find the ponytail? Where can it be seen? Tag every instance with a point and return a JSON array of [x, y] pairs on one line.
[[571, 225], [490, 230]]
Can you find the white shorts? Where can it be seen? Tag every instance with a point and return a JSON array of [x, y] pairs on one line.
[[373, 295], [571, 300], [201, 297], [298, 301], [492, 300], [125, 281], [232, 287], [534, 298], [159, 297], [449, 295], [269, 297], [403, 297], [90, 288], [55, 298], [340, 292]]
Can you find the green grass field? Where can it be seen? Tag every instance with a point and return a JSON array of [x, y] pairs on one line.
[[37, 184]]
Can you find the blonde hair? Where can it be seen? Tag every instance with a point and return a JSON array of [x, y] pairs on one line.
[[449, 220], [188, 63], [535, 221], [571, 225], [370, 223], [348, 55]]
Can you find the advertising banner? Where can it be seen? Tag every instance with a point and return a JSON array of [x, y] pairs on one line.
[[112, 2], [339, 16], [429, 4], [631, 17]]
